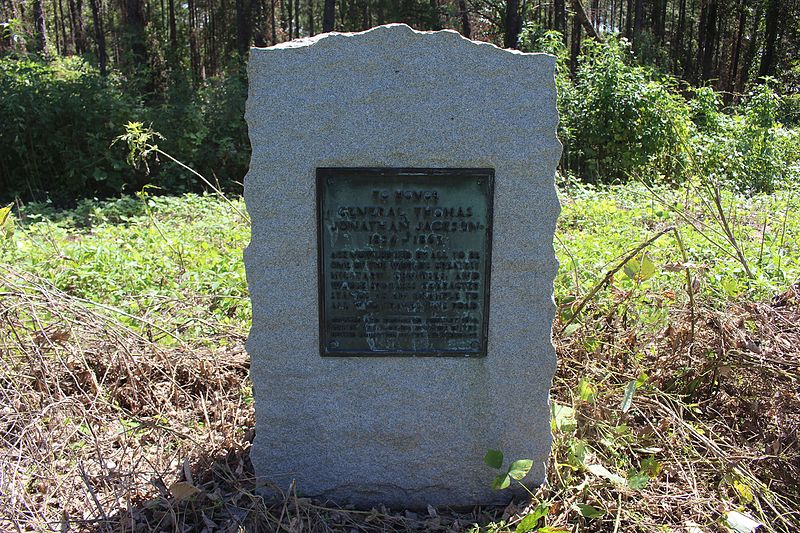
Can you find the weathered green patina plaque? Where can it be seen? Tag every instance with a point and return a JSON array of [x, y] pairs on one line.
[[404, 261]]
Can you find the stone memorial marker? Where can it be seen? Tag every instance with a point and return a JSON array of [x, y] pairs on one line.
[[401, 267]]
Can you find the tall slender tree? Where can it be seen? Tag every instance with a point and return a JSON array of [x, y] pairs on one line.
[[513, 24], [328, 15], [243, 27], [770, 38], [466, 28], [40, 28], [99, 35], [560, 18], [133, 32]]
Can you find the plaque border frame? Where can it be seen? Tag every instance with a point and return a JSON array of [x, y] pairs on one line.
[[323, 173]]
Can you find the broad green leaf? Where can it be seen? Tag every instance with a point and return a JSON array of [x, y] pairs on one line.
[[577, 452], [639, 268], [638, 480], [647, 268], [531, 520], [589, 511], [494, 458], [527, 523], [631, 268], [651, 467], [5, 212], [572, 328], [586, 390], [627, 398], [519, 469], [6, 222], [744, 491], [501, 482], [730, 286], [548, 529]]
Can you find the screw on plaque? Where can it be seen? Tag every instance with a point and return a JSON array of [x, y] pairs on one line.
[[480, 182], [330, 181], [332, 345]]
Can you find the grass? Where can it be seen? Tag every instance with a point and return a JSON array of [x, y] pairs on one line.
[[126, 403]]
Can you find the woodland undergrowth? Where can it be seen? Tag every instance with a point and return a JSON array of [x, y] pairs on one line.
[[126, 404]]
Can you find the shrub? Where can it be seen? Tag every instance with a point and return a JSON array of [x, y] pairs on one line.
[[624, 119], [204, 129], [789, 111], [535, 38], [60, 117], [747, 150], [58, 121]]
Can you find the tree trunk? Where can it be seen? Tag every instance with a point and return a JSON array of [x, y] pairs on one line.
[[61, 36], [40, 30], [290, 17], [513, 24], [677, 43], [750, 51], [194, 49], [655, 12], [76, 24], [311, 29], [259, 23], [583, 20], [737, 48], [638, 18], [466, 29], [242, 26], [701, 40], [133, 26], [629, 20], [328, 15], [560, 19], [283, 22], [576, 42], [99, 35], [173, 29], [709, 40], [767, 66]]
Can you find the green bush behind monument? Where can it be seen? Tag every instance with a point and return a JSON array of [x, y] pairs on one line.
[[60, 117], [619, 121]]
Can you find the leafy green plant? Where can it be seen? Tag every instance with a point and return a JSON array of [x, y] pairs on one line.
[[517, 470], [6, 222], [623, 117], [59, 118], [140, 141], [747, 150], [61, 115]]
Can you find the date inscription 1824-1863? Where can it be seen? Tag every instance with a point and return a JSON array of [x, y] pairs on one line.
[[404, 261]]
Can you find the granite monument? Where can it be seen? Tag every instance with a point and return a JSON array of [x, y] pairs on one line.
[[401, 266]]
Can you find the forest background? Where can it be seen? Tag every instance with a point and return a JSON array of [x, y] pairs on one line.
[[644, 84], [125, 402]]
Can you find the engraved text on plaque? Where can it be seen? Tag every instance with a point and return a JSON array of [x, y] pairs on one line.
[[404, 261]]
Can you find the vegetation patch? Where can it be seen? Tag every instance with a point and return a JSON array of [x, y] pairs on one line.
[[127, 404]]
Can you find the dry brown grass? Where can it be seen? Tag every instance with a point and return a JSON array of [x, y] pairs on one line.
[[719, 413], [115, 427]]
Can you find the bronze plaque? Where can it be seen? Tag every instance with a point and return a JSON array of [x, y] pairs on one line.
[[404, 261]]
